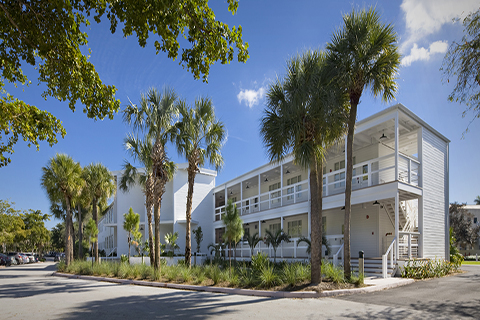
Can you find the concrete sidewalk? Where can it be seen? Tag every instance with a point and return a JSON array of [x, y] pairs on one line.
[[373, 285]]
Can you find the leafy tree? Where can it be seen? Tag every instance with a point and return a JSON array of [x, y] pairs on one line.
[[455, 256], [461, 221], [131, 223], [275, 239], [363, 54], [99, 187], [305, 114], [198, 136], [477, 200], [171, 241], [140, 150], [62, 179], [91, 232], [233, 227], [57, 237], [50, 36], [37, 236], [462, 61], [154, 118], [198, 234], [252, 241], [11, 224]]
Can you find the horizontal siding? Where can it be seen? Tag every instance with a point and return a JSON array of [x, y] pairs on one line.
[[434, 162]]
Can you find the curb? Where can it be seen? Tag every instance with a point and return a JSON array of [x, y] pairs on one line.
[[243, 292]]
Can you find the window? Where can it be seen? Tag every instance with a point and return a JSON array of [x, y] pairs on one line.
[[274, 227], [219, 235], [475, 220], [294, 228], [341, 178]]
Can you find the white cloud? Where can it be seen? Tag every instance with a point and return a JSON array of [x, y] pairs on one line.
[[424, 54], [424, 18], [251, 97]]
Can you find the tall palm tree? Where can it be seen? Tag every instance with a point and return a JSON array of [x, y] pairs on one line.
[[477, 200], [305, 115], [131, 223], [154, 117], [198, 136], [100, 186], [363, 54], [233, 227], [61, 179], [140, 151]]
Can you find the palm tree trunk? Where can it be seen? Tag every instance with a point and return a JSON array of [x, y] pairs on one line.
[[129, 247], [188, 240], [68, 230], [95, 218], [73, 238], [80, 233], [320, 209], [316, 239], [156, 213], [348, 188], [149, 193]]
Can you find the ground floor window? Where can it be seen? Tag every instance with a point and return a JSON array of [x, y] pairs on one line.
[[274, 227], [219, 235], [294, 228]]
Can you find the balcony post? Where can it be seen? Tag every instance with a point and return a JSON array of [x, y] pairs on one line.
[[369, 176], [409, 246], [396, 147], [397, 231], [281, 184], [241, 198]]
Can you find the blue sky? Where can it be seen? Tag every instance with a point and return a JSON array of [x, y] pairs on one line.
[[275, 31]]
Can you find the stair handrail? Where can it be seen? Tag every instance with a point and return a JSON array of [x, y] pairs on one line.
[[389, 253], [335, 256]]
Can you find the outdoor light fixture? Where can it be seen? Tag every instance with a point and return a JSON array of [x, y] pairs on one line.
[[376, 203], [266, 179], [343, 208], [231, 192], [263, 221], [383, 137], [247, 187], [288, 171]]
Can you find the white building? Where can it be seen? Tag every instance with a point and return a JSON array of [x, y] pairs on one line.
[[475, 211], [113, 238], [399, 198]]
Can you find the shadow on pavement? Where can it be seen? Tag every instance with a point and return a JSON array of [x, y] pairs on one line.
[[179, 304]]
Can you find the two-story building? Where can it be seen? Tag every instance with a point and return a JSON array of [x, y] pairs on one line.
[[399, 197]]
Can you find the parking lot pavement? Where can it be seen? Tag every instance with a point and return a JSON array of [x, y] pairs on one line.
[[30, 291], [452, 296]]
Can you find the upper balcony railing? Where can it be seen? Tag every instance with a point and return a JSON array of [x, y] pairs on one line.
[[293, 193], [365, 174], [373, 172]]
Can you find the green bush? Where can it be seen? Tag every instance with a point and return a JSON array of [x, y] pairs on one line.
[[260, 261], [422, 269], [123, 259], [333, 273], [268, 277]]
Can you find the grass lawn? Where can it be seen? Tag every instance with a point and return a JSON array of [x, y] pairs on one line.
[[471, 262]]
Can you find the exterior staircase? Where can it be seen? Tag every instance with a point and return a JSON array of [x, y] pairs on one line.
[[372, 267]]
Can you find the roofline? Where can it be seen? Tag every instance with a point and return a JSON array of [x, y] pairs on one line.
[[408, 112]]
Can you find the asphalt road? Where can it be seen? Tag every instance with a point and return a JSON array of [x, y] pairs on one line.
[[30, 292]]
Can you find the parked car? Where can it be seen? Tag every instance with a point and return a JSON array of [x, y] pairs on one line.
[[59, 256], [17, 257], [5, 260], [24, 257], [31, 257]]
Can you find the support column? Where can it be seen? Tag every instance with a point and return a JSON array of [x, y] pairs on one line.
[[396, 147], [241, 198], [420, 184], [281, 245], [281, 185], [397, 231]]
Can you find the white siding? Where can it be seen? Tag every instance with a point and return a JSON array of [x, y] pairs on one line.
[[434, 190], [364, 232]]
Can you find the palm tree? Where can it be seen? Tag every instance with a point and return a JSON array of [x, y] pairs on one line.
[[275, 239], [309, 243], [198, 136], [61, 179], [91, 232], [477, 200], [363, 54], [305, 115], [131, 223], [233, 227], [154, 117], [141, 151], [252, 241], [99, 186]]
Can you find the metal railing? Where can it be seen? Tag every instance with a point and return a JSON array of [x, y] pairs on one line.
[[391, 255]]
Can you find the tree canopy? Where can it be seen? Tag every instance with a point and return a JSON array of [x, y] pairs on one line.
[[50, 36], [465, 231], [462, 61]]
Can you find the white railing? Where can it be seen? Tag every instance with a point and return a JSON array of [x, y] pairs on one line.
[[391, 255], [335, 256], [408, 245]]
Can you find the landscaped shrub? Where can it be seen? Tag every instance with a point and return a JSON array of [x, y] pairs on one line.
[[259, 261], [421, 269], [333, 273], [247, 277], [268, 277], [290, 273]]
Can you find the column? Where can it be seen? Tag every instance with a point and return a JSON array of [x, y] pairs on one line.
[[281, 186], [241, 198], [396, 146], [397, 231]]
